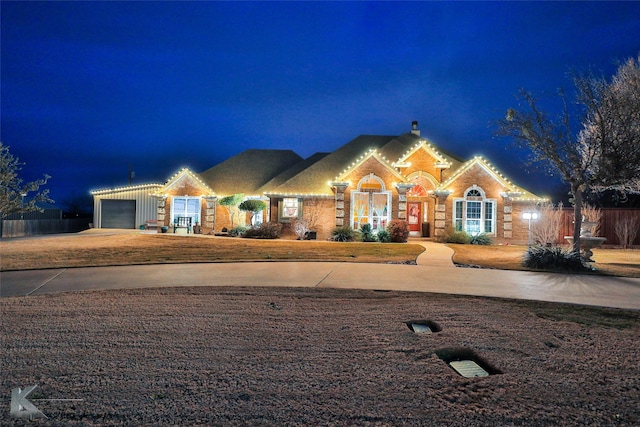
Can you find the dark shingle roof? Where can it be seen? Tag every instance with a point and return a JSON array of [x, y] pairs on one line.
[[248, 171], [313, 180], [292, 171]]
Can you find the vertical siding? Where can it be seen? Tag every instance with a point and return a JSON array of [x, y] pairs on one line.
[[146, 206]]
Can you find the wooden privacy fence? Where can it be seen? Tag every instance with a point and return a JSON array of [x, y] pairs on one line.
[[34, 227], [610, 216]]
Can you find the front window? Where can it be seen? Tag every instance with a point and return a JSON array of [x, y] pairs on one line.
[[185, 207], [289, 208], [371, 204], [475, 213]]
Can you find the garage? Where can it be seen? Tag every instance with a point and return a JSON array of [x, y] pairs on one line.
[[118, 213]]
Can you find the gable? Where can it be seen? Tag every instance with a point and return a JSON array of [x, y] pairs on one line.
[[480, 172], [185, 182], [370, 163], [315, 178]]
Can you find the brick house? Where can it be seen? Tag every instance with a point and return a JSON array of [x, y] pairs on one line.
[[372, 179]]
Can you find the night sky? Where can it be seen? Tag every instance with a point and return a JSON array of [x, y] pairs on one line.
[[89, 88]]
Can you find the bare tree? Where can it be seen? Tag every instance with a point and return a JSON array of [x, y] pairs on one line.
[[16, 196], [300, 227], [626, 229], [610, 138], [603, 153]]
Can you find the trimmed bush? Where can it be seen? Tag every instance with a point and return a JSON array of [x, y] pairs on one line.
[[383, 236], [459, 237], [366, 235], [481, 239], [553, 259], [399, 231], [342, 234], [266, 230], [237, 231]]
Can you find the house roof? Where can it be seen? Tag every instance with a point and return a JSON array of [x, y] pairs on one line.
[[438, 153], [181, 176], [314, 179], [515, 191], [292, 171], [248, 171]]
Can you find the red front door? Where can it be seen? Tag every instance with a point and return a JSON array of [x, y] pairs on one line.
[[413, 216]]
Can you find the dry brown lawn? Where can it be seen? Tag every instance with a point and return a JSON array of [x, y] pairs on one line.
[[104, 248], [195, 356], [615, 262], [272, 357], [100, 249]]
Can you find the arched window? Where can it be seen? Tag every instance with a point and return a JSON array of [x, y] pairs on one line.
[[417, 191], [371, 204], [474, 213]]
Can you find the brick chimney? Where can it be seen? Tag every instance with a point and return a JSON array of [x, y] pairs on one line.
[[414, 128]]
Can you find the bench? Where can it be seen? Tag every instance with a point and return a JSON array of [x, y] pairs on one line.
[[151, 223], [182, 222]]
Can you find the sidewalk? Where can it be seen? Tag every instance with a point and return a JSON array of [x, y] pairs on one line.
[[434, 273], [434, 255]]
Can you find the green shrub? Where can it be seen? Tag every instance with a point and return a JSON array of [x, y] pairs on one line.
[[553, 259], [342, 234], [383, 236], [399, 231], [237, 231], [366, 235], [459, 237], [481, 239], [266, 230]]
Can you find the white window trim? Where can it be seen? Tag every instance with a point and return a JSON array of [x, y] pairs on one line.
[[196, 215], [483, 216], [371, 215], [286, 218]]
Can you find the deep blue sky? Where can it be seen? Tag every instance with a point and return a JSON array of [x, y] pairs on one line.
[[89, 87]]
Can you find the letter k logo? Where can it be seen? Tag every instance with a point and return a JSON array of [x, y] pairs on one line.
[[21, 407]]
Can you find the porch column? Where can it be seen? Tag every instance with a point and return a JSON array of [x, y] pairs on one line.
[[161, 213], [440, 222], [340, 188], [402, 200], [210, 211], [507, 213]]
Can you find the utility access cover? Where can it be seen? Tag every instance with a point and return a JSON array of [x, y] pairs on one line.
[[468, 369], [419, 328]]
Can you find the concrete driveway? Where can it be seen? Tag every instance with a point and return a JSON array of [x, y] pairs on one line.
[[436, 275]]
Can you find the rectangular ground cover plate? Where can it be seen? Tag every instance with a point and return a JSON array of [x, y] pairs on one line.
[[420, 329], [468, 369]]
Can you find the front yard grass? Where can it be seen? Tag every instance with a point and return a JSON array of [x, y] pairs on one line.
[[91, 250], [614, 262]]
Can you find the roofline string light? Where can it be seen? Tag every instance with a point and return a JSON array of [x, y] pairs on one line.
[[440, 161], [367, 155], [127, 188], [188, 171], [479, 160]]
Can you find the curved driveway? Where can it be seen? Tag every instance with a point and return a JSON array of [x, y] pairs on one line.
[[434, 273]]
